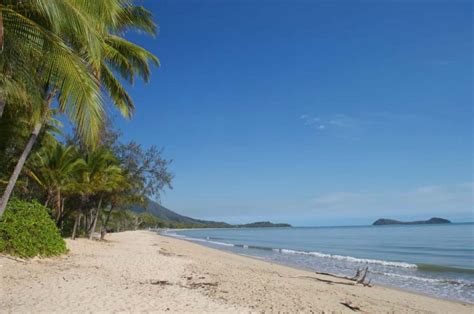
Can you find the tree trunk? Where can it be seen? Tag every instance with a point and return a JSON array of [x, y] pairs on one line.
[[90, 220], [77, 222], [2, 106], [1, 35], [103, 230], [86, 223], [95, 219], [2, 100], [58, 204], [64, 214], [21, 162], [19, 166], [138, 222]]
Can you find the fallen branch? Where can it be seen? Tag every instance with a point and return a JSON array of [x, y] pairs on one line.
[[332, 275], [327, 281], [156, 282], [348, 305], [203, 284]]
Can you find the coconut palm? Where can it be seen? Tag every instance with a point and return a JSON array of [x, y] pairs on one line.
[[87, 33], [54, 169], [122, 57], [101, 175], [36, 58]]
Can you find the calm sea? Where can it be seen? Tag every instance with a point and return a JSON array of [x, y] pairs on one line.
[[437, 260]]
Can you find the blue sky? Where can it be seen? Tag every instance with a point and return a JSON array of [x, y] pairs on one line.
[[313, 113]]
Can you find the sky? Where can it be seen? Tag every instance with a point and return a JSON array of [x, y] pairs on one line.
[[311, 112]]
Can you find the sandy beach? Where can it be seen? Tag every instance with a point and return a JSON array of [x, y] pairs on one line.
[[143, 272]]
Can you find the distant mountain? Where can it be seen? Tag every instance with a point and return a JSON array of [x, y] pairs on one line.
[[263, 224], [170, 216], [434, 220]]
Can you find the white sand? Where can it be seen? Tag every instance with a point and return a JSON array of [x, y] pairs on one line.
[[143, 272]]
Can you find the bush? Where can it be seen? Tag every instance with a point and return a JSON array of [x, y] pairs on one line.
[[27, 230]]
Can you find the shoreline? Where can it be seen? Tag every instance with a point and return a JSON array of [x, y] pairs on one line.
[[144, 271], [451, 283], [335, 276]]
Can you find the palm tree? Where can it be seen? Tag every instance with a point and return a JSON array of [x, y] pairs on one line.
[[96, 51], [54, 169], [122, 57], [32, 44], [36, 40], [101, 175]]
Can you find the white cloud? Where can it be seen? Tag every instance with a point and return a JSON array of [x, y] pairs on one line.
[[334, 122], [349, 126]]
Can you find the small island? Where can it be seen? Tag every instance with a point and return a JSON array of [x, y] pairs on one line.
[[263, 224], [432, 221]]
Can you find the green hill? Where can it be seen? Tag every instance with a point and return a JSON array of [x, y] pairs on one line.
[[168, 215], [179, 221]]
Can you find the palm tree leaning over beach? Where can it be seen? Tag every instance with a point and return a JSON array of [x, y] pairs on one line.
[[77, 47]]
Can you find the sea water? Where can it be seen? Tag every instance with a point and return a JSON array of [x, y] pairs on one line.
[[437, 260]]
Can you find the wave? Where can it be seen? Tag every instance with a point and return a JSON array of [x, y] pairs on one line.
[[315, 254], [420, 267], [175, 235], [351, 259]]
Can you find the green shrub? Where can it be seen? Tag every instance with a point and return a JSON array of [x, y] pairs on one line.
[[27, 230]]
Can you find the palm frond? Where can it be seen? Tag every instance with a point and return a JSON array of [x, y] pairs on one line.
[[137, 56], [135, 17], [117, 92]]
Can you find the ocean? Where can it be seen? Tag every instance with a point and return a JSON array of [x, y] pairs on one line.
[[436, 260]]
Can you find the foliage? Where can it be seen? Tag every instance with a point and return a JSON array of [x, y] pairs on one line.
[[146, 167], [27, 230], [69, 57]]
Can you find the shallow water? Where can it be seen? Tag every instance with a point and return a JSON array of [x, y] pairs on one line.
[[436, 260]]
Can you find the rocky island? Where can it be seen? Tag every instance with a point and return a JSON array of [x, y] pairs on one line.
[[263, 224], [434, 220]]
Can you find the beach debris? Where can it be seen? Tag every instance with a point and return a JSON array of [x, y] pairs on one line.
[[357, 275], [203, 284], [165, 253], [349, 305], [156, 282], [361, 275], [329, 282], [358, 278]]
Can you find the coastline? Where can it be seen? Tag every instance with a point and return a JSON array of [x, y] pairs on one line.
[[144, 271]]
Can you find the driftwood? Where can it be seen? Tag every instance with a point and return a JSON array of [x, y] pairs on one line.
[[203, 284], [156, 282], [330, 282], [358, 278], [361, 276], [352, 307]]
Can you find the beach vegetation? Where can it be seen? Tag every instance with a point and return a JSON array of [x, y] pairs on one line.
[[70, 55], [63, 60], [27, 230]]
